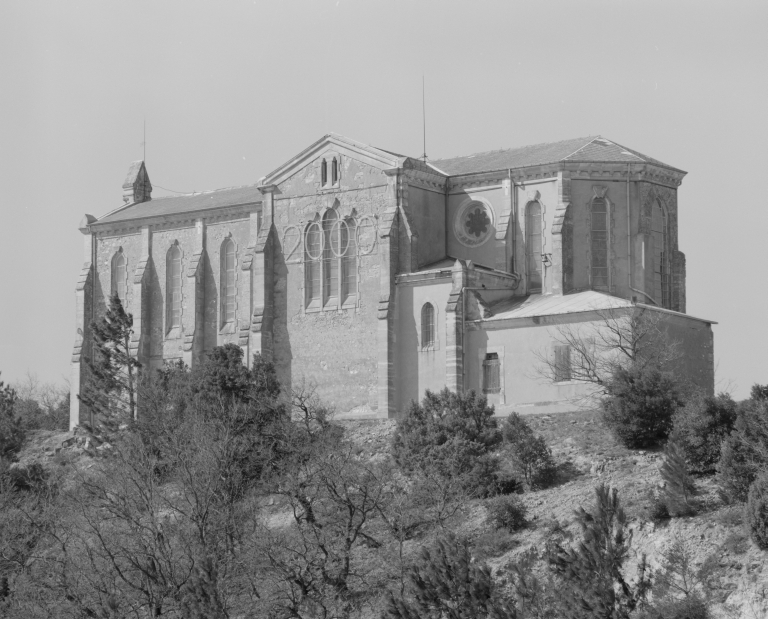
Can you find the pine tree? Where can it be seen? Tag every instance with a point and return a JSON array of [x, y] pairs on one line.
[[591, 572], [679, 490], [11, 429], [110, 388], [448, 584]]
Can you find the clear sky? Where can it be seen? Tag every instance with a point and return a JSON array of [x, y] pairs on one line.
[[230, 90]]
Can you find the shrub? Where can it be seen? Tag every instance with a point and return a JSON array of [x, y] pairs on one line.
[[700, 427], [11, 429], [453, 434], [758, 392], [756, 510], [745, 451], [679, 489], [506, 512], [639, 405], [531, 457], [446, 582]]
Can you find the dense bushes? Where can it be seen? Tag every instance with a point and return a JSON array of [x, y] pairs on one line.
[[756, 510], [454, 434], [700, 427], [639, 405], [531, 457], [745, 451], [506, 512]]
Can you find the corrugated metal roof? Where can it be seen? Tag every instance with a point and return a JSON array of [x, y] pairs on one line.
[[593, 149], [184, 204], [549, 305]]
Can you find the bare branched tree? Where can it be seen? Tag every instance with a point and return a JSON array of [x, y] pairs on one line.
[[617, 338]]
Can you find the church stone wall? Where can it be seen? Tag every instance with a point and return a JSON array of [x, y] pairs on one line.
[[336, 349], [107, 245], [427, 212], [486, 253]]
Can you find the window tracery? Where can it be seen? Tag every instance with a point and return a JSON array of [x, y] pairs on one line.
[[173, 288], [227, 282]]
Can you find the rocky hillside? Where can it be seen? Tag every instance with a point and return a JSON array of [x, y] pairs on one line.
[[587, 456]]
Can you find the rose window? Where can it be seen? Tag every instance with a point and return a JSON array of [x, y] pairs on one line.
[[474, 223]]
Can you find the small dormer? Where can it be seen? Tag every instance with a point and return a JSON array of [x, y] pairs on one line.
[[137, 187]]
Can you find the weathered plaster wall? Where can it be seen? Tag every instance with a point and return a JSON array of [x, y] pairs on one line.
[[427, 213], [546, 194], [334, 348], [524, 389], [484, 254], [696, 347], [417, 369]]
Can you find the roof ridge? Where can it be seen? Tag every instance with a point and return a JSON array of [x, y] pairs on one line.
[[501, 150], [582, 146]]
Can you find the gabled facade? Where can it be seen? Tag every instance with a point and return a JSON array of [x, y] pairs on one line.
[[379, 276]]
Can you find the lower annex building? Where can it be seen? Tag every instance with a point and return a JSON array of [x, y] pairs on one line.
[[379, 276]]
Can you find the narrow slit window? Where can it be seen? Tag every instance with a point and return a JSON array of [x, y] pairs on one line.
[[173, 288], [491, 373], [334, 171], [119, 276], [533, 245], [599, 244], [427, 326], [227, 282], [660, 255], [323, 172], [562, 363]]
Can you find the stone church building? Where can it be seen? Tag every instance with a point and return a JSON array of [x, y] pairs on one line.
[[379, 276]]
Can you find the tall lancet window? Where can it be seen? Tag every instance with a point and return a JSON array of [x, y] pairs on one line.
[[119, 275], [427, 325], [173, 288], [659, 233], [323, 172], [533, 245], [599, 244], [331, 240], [227, 282], [313, 265], [334, 171]]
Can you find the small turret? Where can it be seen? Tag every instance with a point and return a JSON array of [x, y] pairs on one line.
[[137, 187]]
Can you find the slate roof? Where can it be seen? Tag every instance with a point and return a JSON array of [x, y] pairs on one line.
[[551, 305], [592, 149], [231, 196]]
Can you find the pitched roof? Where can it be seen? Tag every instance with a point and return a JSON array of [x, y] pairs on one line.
[[247, 194], [592, 149], [575, 302], [548, 305]]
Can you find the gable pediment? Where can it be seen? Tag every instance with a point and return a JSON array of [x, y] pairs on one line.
[[333, 144]]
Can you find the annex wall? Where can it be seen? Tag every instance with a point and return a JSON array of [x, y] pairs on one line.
[[419, 368], [525, 389], [426, 210]]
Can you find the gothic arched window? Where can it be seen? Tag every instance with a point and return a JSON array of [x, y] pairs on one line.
[[173, 288], [659, 233], [599, 244], [330, 262], [119, 275], [227, 282], [313, 251], [533, 245], [427, 325]]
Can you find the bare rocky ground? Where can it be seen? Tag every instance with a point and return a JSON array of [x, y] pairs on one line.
[[587, 455]]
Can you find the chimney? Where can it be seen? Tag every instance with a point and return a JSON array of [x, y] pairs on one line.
[[137, 187]]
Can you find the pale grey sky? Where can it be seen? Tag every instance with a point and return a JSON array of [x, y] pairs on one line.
[[230, 90]]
